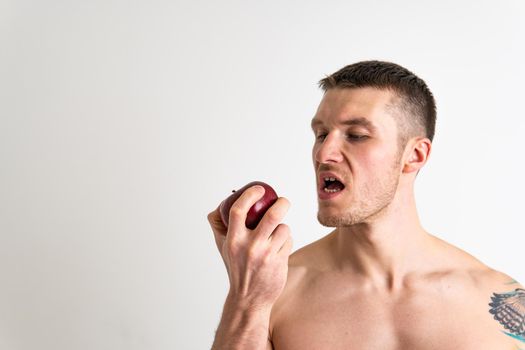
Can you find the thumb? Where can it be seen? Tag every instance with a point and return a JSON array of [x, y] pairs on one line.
[[218, 228]]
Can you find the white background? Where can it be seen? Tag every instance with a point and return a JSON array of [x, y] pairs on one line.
[[123, 123]]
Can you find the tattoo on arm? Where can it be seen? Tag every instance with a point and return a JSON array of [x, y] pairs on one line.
[[509, 310]]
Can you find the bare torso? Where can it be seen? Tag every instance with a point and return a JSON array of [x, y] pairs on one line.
[[446, 308]]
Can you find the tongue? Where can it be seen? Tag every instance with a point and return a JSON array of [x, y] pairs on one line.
[[336, 185]]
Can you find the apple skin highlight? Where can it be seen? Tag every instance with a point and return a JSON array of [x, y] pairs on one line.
[[256, 212]]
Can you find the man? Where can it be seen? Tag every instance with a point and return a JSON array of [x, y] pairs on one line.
[[378, 280]]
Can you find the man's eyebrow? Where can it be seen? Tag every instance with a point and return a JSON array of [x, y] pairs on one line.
[[352, 121]]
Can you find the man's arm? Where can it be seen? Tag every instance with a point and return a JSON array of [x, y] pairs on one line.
[[242, 328], [257, 265], [508, 308]]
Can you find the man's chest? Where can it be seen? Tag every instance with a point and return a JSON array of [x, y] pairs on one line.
[[421, 321]]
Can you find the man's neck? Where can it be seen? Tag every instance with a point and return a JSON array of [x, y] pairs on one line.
[[387, 248]]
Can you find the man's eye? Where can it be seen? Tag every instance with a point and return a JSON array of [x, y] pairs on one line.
[[320, 136], [355, 137]]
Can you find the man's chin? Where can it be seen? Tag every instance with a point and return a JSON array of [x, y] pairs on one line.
[[335, 220]]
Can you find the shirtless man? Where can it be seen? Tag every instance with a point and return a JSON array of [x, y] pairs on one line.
[[378, 280]]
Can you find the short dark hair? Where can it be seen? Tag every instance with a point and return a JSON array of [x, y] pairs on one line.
[[415, 98]]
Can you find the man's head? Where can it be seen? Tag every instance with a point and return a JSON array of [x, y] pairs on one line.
[[412, 102], [375, 123]]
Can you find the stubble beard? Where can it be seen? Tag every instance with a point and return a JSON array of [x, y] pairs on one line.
[[373, 200]]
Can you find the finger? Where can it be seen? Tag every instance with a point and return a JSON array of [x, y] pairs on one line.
[[242, 205], [214, 218], [273, 217], [279, 236], [218, 228], [286, 249]]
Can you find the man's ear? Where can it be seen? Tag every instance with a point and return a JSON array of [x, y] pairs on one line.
[[418, 152]]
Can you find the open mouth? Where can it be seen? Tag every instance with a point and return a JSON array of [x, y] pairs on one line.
[[332, 185]]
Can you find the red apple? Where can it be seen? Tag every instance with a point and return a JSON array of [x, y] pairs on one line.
[[257, 210]]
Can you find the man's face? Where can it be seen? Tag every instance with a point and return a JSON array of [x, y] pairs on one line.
[[356, 143]]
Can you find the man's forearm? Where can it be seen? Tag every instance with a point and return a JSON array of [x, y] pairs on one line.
[[242, 327]]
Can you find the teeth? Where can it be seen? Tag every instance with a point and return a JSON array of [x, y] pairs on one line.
[[331, 191], [329, 178]]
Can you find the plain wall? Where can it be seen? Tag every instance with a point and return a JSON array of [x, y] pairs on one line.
[[123, 123]]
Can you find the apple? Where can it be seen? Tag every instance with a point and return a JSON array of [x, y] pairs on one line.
[[257, 210]]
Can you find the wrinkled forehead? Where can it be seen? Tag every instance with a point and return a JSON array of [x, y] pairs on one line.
[[369, 107]]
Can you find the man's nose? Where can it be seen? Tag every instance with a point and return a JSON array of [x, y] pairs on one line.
[[329, 150]]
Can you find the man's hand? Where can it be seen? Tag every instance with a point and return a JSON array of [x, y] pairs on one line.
[[256, 260]]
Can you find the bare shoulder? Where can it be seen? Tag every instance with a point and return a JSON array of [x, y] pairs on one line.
[[506, 305], [468, 267], [497, 280], [488, 279]]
